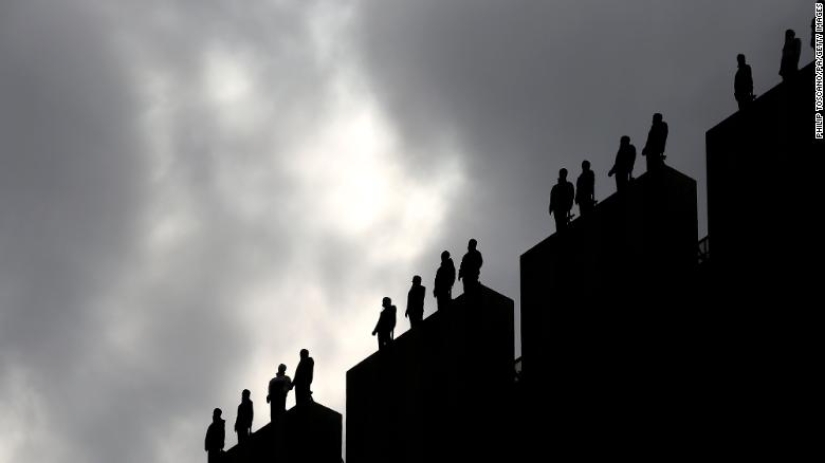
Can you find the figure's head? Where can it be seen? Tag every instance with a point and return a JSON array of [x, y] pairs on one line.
[[416, 280], [445, 255], [282, 368], [585, 165], [386, 302], [471, 245], [245, 394], [216, 414], [657, 118], [304, 353], [625, 140], [562, 174], [790, 34], [740, 59]]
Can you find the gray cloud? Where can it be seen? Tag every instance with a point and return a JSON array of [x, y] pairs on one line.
[[193, 191]]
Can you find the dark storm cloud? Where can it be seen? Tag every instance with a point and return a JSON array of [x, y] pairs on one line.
[[528, 87], [114, 341], [160, 251]]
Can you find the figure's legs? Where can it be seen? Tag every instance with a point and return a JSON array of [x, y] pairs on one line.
[[281, 401], [585, 207], [383, 340], [243, 434], [621, 181], [301, 395], [443, 301], [561, 221], [470, 284]]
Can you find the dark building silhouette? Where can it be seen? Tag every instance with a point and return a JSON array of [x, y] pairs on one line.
[[764, 168], [307, 434], [597, 304], [637, 341], [442, 393]]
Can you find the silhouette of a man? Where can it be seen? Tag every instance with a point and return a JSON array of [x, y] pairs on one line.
[[623, 167], [654, 150], [790, 55], [279, 387], [303, 378], [415, 302], [561, 201], [215, 435], [743, 83], [386, 324], [444, 280], [470, 268], [243, 422], [585, 189]]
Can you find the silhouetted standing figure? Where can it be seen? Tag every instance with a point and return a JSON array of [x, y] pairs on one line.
[[303, 378], [585, 189], [561, 201], [654, 149], [743, 83], [243, 422], [415, 302], [215, 436], [623, 167], [470, 268], [790, 55], [386, 324], [444, 281], [279, 387]]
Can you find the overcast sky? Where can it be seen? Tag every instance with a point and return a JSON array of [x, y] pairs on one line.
[[192, 191]]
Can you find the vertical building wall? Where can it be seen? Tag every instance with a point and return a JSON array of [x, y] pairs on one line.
[[764, 187], [308, 433], [439, 393], [607, 322]]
